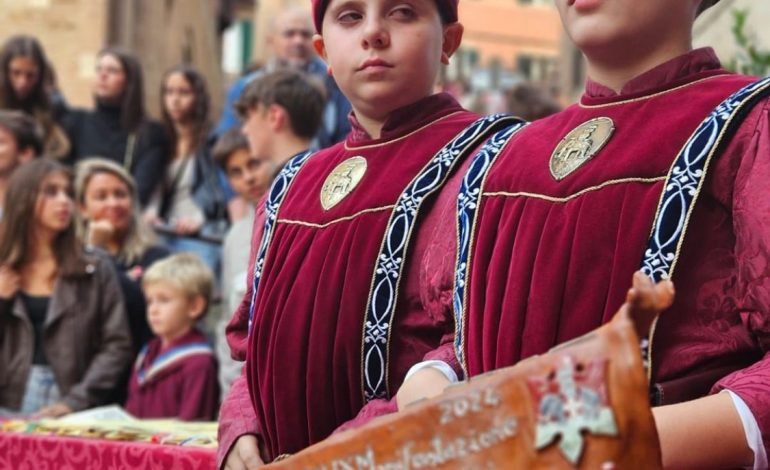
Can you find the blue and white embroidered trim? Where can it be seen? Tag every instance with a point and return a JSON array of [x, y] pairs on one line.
[[686, 178], [278, 191], [393, 252], [467, 211], [167, 359], [683, 187]]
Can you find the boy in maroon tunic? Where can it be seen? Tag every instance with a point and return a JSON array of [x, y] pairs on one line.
[[334, 315], [645, 172], [175, 375]]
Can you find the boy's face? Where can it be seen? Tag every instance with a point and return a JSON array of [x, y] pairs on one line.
[[258, 129], [170, 311], [248, 175], [626, 30], [385, 54], [10, 154]]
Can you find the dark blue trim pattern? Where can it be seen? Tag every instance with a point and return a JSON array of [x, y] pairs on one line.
[[687, 175], [390, 262], [278, 191], [467, 210], [684, 184]]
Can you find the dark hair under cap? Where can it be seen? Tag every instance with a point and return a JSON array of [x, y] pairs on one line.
[[706, 4], [446, 8]]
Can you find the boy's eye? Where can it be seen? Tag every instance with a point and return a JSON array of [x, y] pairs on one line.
[[404, 11], [349, 16]]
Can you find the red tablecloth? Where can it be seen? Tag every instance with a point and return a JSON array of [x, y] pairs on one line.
[[40, 452]]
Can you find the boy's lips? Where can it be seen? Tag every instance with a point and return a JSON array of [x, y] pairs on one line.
[[584, 5], [374, 62]]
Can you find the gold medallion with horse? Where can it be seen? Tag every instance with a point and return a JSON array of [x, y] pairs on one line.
[[580, 145], [342, 181]]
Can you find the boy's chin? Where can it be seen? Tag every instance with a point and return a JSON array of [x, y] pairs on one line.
[[597, 40]]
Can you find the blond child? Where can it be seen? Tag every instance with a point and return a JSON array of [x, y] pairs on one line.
[[175, 374]]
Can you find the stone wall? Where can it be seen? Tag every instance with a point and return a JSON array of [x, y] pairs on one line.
[[71, 32]]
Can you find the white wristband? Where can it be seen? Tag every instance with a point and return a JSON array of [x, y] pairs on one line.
[[440, 366], [753, 433]]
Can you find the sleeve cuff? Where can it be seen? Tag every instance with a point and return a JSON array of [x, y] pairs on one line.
[[440, 366], [751, 428]]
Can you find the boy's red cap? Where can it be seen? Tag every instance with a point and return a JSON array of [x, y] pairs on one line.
[[447, 8]]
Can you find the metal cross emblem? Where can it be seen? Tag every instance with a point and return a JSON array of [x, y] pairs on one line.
[[569, 403], [341, 181]]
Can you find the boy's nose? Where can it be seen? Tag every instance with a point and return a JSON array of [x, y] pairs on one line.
[[375, 34]]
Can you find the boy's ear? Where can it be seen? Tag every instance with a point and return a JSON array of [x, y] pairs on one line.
[[276, 117], [320, 48], [453, 35], [197, 307]]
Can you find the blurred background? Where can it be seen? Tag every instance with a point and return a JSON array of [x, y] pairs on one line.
[[506, 42]]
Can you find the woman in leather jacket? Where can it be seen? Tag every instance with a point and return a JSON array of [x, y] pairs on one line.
[[64, 341]]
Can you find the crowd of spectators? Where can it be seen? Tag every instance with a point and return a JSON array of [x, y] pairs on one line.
[[119, 232], [112, 224]]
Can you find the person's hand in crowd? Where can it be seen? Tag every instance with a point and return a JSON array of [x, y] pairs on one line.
[[9, 282], [54, 411], [151, 218], [100, 233], [187, 226], [244, 455]]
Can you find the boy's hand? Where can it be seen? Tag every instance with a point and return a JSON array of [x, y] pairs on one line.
[[425, 383], [244, 455], [9, 282]]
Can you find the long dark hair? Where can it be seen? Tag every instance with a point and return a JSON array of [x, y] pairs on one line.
[[38, 99], [16, 229], [201, 107], [132, 111]]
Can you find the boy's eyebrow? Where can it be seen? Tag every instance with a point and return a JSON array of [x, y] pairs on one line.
[[345, 4]]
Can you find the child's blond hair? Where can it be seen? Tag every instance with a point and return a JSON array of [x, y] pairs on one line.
[[185, 271]]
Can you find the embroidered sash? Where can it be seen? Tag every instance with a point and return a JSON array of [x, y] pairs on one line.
[[391, 258], [467, 210], [167, 359], [278, 191], [390, 262], [684, 183]]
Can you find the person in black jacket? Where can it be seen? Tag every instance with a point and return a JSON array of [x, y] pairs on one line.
[[118, 129], [188, 206]]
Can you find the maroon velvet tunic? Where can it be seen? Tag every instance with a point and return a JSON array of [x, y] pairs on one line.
[[185, 388], [304, 353], [554, 259]]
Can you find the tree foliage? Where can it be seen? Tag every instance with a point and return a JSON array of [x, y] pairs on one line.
[[750, 59]]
